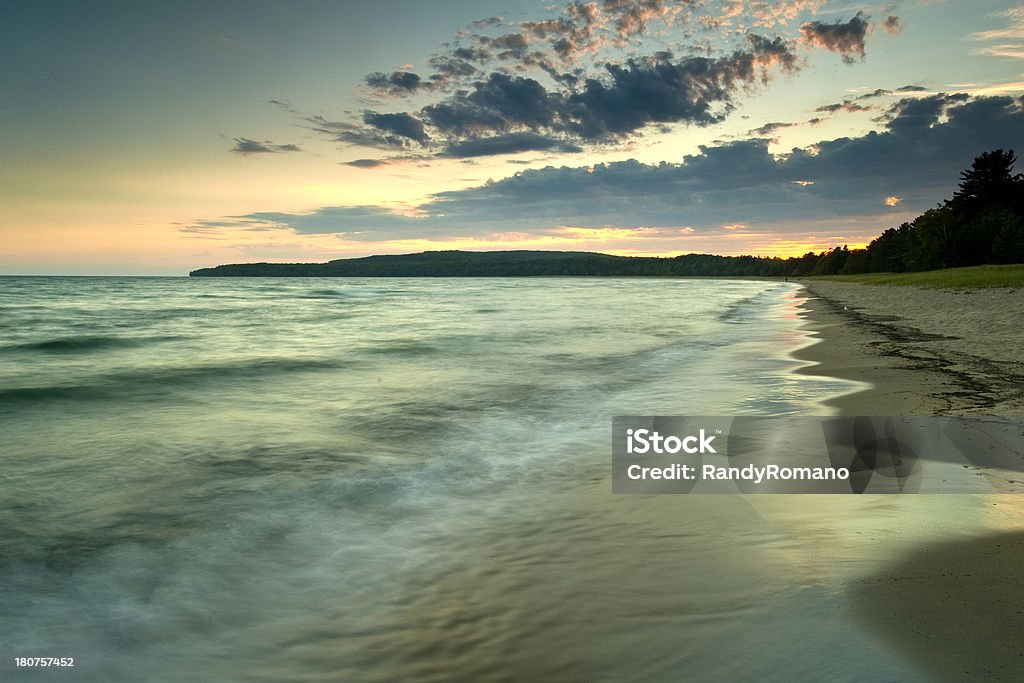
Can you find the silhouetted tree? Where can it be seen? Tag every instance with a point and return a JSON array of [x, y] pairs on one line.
[[935, 241], [1007, 230], [857, 262], [888, 252], [984, 211], [989, 182]]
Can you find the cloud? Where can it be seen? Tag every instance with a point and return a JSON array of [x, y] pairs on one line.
[[582, 76], [1012, 51], [447, 68], [511, 143], [892, 200], [286, 106], [350, 221], [1013, 29], [403, 125], [245, 147], [918, 114], [397, 82], [356, 134], [770, 13], [1013, 26], [693, 90], [366, 163], [632, 18], [489, 21], [893, 25], [498, 104], [769, 129], [916, 157], [632, 95], [845, 105], [742, 181], [880, 92], [847, 39], [848, 106]]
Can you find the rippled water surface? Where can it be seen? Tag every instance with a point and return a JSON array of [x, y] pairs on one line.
[[399, 479]]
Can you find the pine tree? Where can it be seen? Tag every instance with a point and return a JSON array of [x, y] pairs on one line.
[[989, 182]]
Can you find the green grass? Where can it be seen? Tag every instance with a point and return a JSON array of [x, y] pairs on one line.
[[975, 277]]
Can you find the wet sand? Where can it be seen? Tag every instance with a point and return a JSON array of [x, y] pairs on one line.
[[954, 608]]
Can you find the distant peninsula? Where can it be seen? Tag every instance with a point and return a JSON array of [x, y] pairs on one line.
[[509, 264]]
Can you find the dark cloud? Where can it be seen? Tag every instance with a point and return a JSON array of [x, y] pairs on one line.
[[402, 125], [350, 220], [508, 144], [893, 25], [365, 222], [471, 54], [286, 106], [508, 46], [581, 78], [488, 89], [489, 21], [366, 163], [846, 39], [694, 90], [924, 144], [845, 105], [769, 129], [245, 146], [912, 88], [450, 67], [396, 82], [352, 134], [880, 92], [498, 104], [916, 157], [369, 138], [632, 95], [921, 113], [392, 132]]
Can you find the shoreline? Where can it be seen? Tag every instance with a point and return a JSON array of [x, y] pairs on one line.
[[954, 608], [918, 352]]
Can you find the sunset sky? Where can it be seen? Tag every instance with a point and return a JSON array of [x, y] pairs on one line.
[[155, 138]]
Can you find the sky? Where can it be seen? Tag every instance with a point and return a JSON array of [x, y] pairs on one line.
[[156, 138]]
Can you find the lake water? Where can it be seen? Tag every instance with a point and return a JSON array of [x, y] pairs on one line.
[[402, 479]]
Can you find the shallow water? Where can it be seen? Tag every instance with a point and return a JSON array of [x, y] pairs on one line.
[[400, 479]]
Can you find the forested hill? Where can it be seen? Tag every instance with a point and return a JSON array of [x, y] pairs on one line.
[[507, 264]]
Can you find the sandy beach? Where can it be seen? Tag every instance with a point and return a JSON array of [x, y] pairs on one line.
[[954, 608], [922, 351]]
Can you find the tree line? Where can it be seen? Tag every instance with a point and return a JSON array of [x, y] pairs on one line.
[[983, 222]]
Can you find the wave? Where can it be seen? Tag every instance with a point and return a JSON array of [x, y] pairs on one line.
[[158, 382], [743, 311], [356, 293], [401, 349], [86, 344]]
